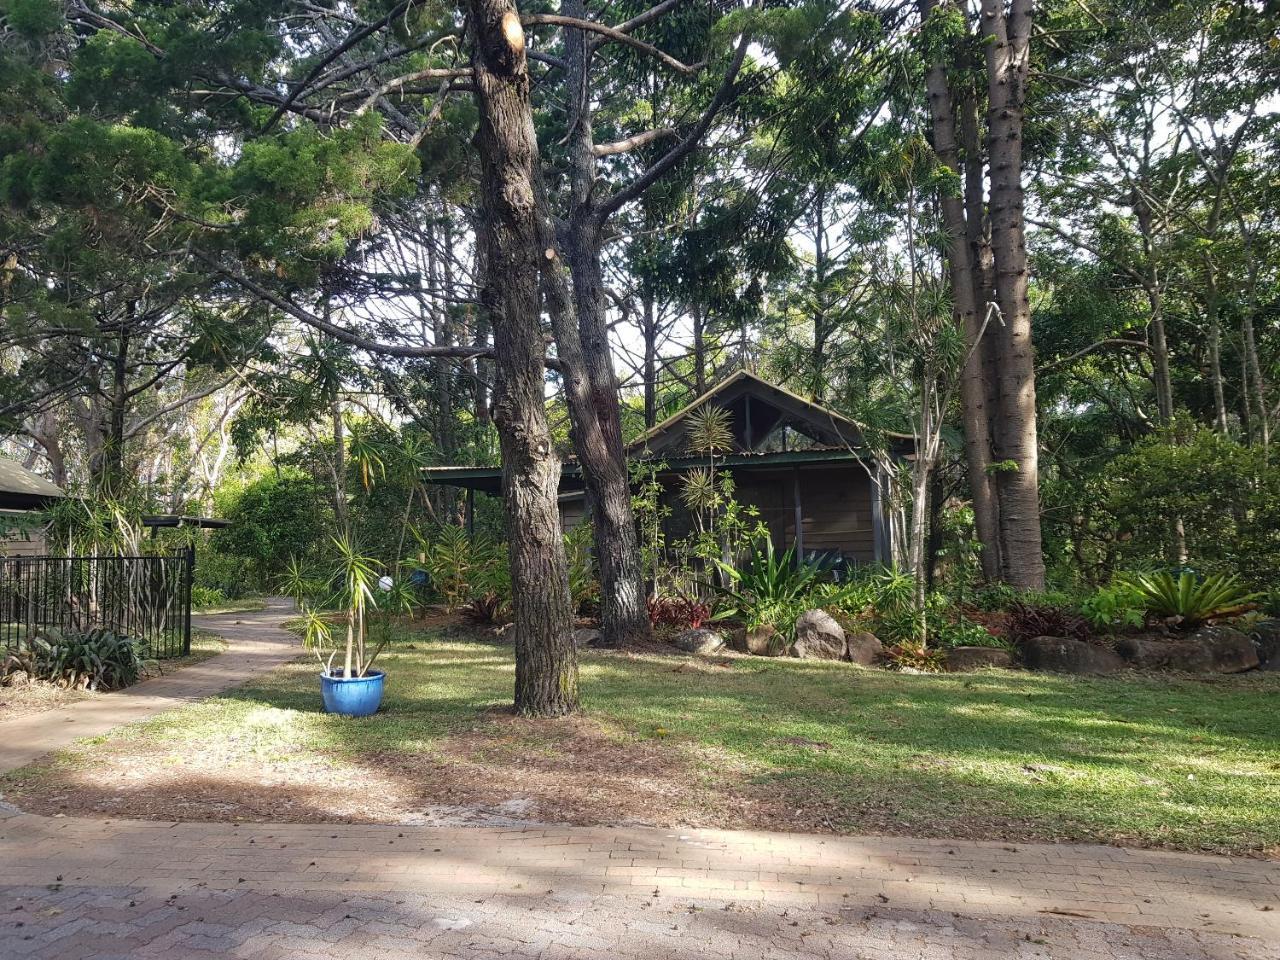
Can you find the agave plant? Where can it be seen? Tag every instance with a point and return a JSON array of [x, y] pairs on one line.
[[1188, 599]]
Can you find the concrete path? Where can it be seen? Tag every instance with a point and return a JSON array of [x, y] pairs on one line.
[[255, 643], [79, 888]]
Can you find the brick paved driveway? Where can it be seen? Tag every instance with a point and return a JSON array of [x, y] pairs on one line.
[[72, 888]]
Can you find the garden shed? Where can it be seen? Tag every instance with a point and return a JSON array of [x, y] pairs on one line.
[[805, 468]]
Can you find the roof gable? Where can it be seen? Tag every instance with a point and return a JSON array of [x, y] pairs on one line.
[[758, 410]]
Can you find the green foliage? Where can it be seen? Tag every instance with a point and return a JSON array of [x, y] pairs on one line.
[[768, 590], [98, 659], [274, 519], [464, 568], [584, 585], [1118, 606], [962, 632], [1226, 496], [202, 596], [1188, 599]]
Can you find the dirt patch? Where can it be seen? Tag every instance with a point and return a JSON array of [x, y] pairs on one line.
[[25, 699], [504, 770]]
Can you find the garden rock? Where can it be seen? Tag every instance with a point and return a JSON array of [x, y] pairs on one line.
[[1266, 640], [819, 637], [1231, 650], [759, 641], [699, 640], [962, 659], [586, 637], [1061, 655], [1146, 653], [863, 648]]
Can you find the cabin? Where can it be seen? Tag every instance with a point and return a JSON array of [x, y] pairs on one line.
[[22, 495], [804, 467]]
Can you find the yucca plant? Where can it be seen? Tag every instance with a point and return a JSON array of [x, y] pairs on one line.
[[1189, 600]]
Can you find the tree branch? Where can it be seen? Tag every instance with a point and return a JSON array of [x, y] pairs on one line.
[[611, 33], [631, 143], [682, 149]]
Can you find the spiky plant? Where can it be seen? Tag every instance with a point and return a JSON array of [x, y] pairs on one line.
[[1189, 600]]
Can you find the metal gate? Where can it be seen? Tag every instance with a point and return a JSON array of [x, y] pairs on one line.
[[145, 598]]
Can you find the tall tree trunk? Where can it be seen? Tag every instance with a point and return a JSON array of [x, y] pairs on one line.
[[699, 351], [1155, 303], [546, 661], [591, 386], [649, 329], [970, 316], [1007, 42], [1213, 316]]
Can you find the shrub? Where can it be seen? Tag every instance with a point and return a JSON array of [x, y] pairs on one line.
[[272, 519], [207, 596], [1116, 607], [1188, 600], [96, 659], [1027, 621], [678, 613], [962, 632], [769, 589]]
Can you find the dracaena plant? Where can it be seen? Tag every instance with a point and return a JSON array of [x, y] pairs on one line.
[[769, 589]]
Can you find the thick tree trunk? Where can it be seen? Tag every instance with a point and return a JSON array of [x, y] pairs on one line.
[[546, 661], [591, 386], [970, 315], [1007, 42]]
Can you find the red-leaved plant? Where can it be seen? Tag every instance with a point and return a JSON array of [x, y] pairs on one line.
[[681, 613]]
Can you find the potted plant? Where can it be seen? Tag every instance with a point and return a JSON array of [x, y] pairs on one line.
[[356, 689]]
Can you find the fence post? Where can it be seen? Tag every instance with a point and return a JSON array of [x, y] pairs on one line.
[[189, 566]]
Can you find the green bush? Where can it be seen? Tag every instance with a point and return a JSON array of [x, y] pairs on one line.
[[272, 519], [207, 596], [97, 659], [1226, 495], [962, 632], [1119, 606], [768, 590]]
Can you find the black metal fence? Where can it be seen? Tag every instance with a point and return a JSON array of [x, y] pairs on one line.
[[146, 598]]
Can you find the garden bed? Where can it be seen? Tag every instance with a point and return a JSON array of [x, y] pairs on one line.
[[731, 741]]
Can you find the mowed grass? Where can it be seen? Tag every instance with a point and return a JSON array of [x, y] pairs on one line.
[[1190, 764]]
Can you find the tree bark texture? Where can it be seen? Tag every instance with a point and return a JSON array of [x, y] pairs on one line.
[[591, 386], [546, 661], [970, 315], [1007, 41]]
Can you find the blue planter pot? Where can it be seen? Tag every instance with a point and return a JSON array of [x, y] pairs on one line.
[[354, 697]]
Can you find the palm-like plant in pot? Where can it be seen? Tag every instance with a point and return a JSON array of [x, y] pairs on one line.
[[355, 690]]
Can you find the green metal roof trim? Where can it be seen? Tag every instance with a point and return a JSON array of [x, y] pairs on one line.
[[487, 478]]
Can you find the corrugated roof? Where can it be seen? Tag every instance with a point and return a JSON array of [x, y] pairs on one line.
[[21, 482]]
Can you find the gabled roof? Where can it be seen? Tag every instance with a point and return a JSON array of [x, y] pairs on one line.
[[758, 409], [20, 489]]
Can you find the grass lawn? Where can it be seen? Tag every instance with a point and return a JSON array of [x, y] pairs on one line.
[[724, 742]]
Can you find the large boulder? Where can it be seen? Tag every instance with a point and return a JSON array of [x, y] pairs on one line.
[[1062, 655], [699, 640], [963, 659], [1266, 640], [762, 641], [819, 637], [1147, 653], [586, 637], [863, 648], [1231, 650]]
